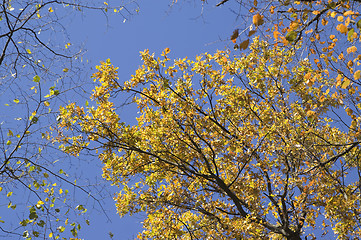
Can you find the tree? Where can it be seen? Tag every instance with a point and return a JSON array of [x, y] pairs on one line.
[[38, 65], [262, 145], [257, 146]]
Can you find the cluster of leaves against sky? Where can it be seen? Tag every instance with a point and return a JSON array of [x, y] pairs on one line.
[[262, 144], [258, 142]]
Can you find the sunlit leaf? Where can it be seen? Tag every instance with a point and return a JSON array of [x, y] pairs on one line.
[[258, 19], [36, 78]]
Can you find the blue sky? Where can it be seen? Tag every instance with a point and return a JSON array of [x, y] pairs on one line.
[[182, 28]]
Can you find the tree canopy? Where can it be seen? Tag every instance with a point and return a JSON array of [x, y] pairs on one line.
[[262, 144], [228, 147]]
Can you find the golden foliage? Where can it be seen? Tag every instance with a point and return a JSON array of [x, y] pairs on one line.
[[226, 147]]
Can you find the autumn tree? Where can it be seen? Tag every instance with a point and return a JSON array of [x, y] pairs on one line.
[[38, 65], [260, 146]]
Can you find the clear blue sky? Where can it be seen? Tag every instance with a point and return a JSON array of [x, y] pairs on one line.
[[182, 28]]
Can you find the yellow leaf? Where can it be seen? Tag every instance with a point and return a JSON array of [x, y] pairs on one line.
[[340, 18], [50, 235], [307, 76], [345, 83], [276, 35], [10, 133], [294, 25], [351, 49], [350, 64], [342, 28], [50, 9], [65, 70], [40, 202], [310, 113], [349, 111], [349, 12], [357, 75], [316, 12], [28, 51]]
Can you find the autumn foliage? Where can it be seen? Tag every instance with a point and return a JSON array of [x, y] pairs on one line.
[[329, 30], [260, 146]]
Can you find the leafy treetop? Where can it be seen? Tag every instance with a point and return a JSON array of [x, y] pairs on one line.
[[244, 147]]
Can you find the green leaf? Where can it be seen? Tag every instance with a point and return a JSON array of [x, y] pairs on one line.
[[350, 35], [41, 223], [332, 5], [80, 207], [36, 78], [358, 24], [24, 222], [74, 232], [36, 234], [291, 36], [33, 215], [34, 120]]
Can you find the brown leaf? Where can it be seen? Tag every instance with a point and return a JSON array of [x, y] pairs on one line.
[[251, 32], [244, 44], [234, 36]]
